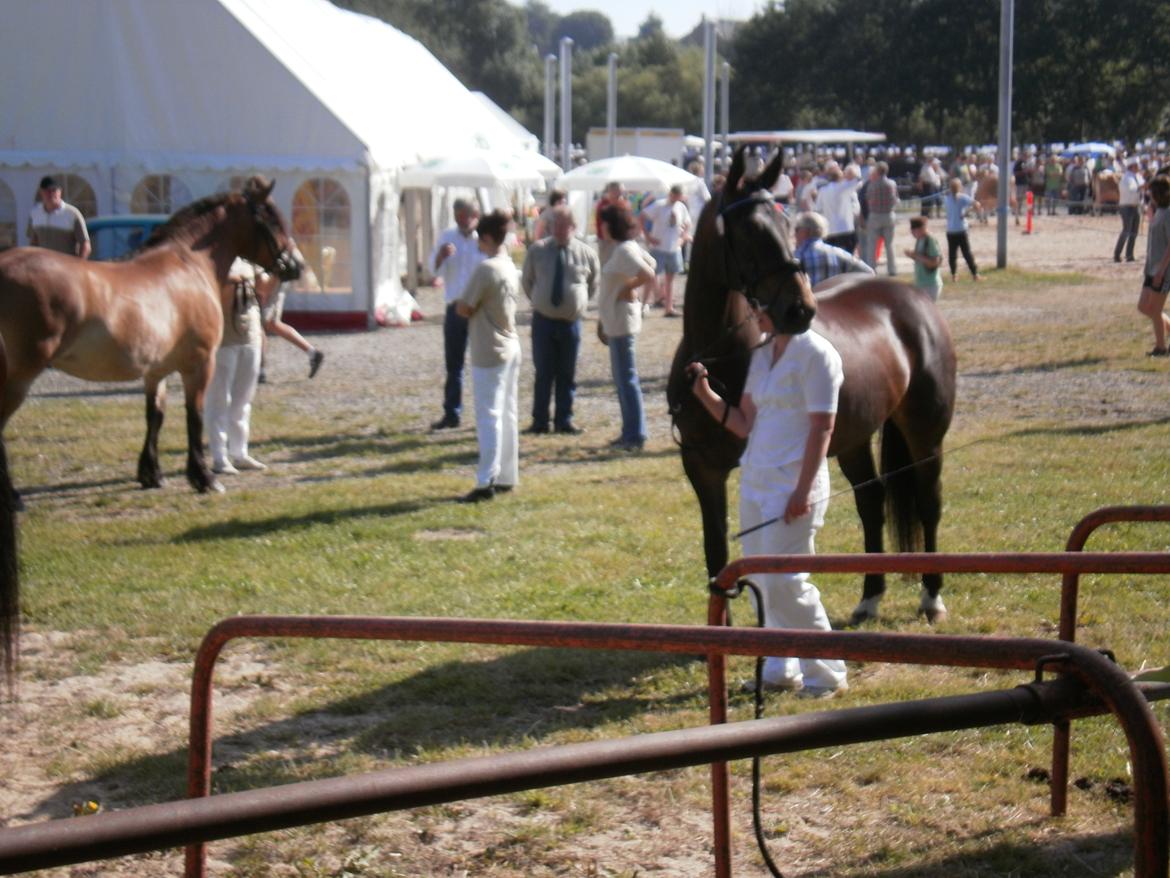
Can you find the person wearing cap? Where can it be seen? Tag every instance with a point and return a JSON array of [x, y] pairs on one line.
[[1129, 203], [56, 225]]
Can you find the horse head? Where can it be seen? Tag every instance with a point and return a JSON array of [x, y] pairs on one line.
[[757, 257], [273, 247]]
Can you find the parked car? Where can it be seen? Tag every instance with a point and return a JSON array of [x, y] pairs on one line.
[[116, 237]]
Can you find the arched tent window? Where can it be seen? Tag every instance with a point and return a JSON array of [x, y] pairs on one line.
[[159, 193], [321, 225], [76, 191], [7, 217]]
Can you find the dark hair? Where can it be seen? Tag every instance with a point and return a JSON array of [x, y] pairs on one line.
[[557, 196], [620, 222], [918, 222], [49, 183], [1160, 190], [495, 225]]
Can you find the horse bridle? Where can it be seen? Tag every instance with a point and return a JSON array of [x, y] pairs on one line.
[[284, 263], [734, 265]]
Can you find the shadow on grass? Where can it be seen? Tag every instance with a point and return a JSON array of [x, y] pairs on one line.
[[236, 529], [504, 703], [1090, 429], [1105, 853], [1041, 368]]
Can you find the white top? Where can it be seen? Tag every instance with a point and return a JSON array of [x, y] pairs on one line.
[[457, 268], [620, 318], [669, 220], [806, 379], [837, 203], [1130, 190]]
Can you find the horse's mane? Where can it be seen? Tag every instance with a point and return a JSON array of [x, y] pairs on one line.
[[181, 221]]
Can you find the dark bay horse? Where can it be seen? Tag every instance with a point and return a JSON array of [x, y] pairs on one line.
[[156, 313], [898, 360]]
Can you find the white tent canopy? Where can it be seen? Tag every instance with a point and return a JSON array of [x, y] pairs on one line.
[[331, 103], [632, 171]]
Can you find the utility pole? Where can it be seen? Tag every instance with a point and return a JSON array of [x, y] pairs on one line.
[[1006, 38]]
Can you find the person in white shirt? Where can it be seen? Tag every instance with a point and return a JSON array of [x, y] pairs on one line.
[[455, 257], [787, 413], [837, 203], [670, 229], [1129, 203]]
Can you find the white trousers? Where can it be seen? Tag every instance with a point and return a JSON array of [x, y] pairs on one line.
[[228, 406], [790, 600], [496, 391]]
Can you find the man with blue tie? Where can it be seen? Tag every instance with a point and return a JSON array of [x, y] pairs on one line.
[[560, 276]]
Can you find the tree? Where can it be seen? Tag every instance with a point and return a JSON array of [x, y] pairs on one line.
[[588, 30]]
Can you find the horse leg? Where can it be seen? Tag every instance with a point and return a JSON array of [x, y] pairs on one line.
[[869, 494], [195, 385], [710, 484], [928, 483], [149, 472]]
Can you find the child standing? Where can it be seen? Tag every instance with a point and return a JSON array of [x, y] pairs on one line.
[[927, 259]]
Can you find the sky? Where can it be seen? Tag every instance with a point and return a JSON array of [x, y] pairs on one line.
[[679, 17]]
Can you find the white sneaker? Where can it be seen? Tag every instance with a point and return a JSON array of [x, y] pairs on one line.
[[224, 468], [249, 463]]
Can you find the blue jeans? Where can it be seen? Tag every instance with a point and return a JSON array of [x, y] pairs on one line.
[[455, 352], [555, 344], [629, 391]]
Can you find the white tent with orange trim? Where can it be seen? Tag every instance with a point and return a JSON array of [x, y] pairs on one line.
[[143, 105]]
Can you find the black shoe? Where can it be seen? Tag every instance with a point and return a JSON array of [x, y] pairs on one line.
[[1116, 258], [477, 495], [315, 360], [447, 422], [263, 379], [502, 489], [535, 429], [571, 429]]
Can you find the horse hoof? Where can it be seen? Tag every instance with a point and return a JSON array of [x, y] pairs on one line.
[[866, 611], [150, 484], [932, 608], [211, 487]]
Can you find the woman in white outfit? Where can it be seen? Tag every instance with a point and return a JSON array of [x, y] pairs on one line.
[[787, 413], [228, 406], [488, 302]]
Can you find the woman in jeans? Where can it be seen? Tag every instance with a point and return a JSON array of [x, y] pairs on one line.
[[957, 203], [620, 316]]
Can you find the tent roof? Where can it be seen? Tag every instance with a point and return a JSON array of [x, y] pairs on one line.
[[227, 83]]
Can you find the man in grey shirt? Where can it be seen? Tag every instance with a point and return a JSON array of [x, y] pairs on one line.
[[560, 277]]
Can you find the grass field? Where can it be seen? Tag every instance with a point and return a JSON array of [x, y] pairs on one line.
[[1059, 413]]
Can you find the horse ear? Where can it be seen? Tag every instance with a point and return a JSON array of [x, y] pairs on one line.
[[257, 189], [772, 172], [735, 172]]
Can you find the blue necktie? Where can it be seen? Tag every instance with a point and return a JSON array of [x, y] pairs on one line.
[[558, 286]]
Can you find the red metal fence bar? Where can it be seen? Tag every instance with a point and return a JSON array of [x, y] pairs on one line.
[[1071, 563], [160, 826], [1069, 589]]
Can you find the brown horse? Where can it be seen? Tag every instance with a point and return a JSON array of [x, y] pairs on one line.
[[156, 313], [898, 360]]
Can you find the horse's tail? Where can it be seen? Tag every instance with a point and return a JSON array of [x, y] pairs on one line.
[[902, 512], [9, 580]]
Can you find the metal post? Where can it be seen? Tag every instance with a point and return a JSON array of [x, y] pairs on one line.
[[1006, 37], [550, 106], [567, 103], [708, 99], [725, 111], [611, 108]]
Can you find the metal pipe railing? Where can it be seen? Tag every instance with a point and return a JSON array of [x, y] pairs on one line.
[[1069, 595]]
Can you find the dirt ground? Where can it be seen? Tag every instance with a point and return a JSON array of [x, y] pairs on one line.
[[394, 376]]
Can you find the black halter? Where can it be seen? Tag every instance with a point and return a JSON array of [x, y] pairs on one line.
[[284, 263]]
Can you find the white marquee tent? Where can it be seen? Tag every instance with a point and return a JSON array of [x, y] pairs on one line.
[[142, 105]]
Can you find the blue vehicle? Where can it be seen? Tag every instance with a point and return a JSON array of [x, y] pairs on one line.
[[116, 237]]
